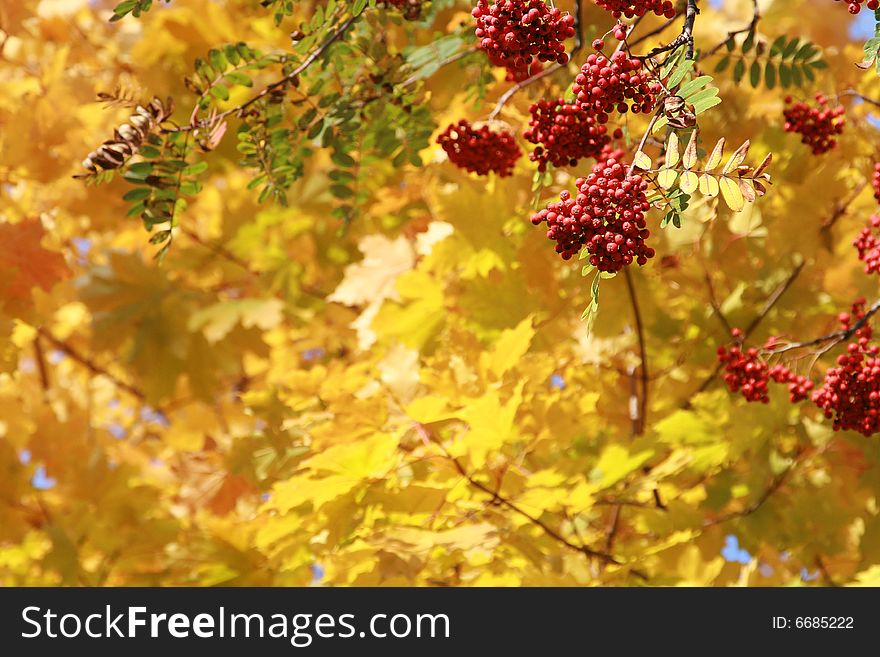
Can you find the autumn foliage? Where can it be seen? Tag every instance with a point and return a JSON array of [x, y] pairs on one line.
[[440, 293]]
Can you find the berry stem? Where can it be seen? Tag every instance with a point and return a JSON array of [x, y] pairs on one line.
[[834, 338]]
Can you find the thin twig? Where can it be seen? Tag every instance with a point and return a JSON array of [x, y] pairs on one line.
[[507, 95], [41, 364], [91, 365], [839, 211], [774, 486], [268, 89], [643, 352], [772, 300], [687, 33], [461, 54], [834, 338], [756, 16], [855, 94], [655, 31]]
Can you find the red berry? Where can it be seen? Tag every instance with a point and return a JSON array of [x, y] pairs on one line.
[[618, 84], [564, 133], [607, 216], [517, 33], [817, 125], [868, 245], [598, 44], [631, 8], [480, 150]]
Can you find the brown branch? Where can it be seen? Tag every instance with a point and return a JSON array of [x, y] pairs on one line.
[[772, 300], [655, 31], [503, 501], [855, 94], [268, 89], [643, 352], [41, 364], [774, 486], [713, 301], [834, 338], [687, 34], [838, 212], [756, 16], [89, 364], [507, 95]]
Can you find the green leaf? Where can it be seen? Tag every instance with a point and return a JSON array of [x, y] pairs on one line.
[[749, 42], [342, 159], [755, 74], [341, 191], [688, 89], [777, 46], [784, 75], [236, 77], [791, 48], [195, 169], [220, 91], [739, 70], [770, 75], [218, 60], [358, 7], [137, 194], [680, 72], [722, 65]]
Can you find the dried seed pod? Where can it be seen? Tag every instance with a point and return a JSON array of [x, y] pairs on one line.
[[128, 137]]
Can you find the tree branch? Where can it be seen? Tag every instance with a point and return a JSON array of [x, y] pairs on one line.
[[834, 338], [772, 300], [89, 364], [774, 486], [268, 89], [643, 353], [756, 16], [503, 501], [687, 33]]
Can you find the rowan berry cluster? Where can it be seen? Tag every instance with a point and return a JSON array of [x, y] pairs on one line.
[[411, 9], [516, 32], [479, 150], [564, 133], [868, 245], [746, 372], [855, 6], [630, 8], [607, 216], [875, 181], [816, 125], [605, 85], [850, 394]]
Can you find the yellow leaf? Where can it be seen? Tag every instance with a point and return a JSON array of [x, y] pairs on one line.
[[689, 159], [642, 161], [717, 153], [490, 426], [672, 154], [511, 346], [615, 463], [688, 183], [709, 185], [737, 158], [731, 193], [666, 178]]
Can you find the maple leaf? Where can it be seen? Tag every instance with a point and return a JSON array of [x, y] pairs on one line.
[[26, 264]]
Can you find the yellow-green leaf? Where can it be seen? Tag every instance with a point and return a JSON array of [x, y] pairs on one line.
[[731, 193]]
